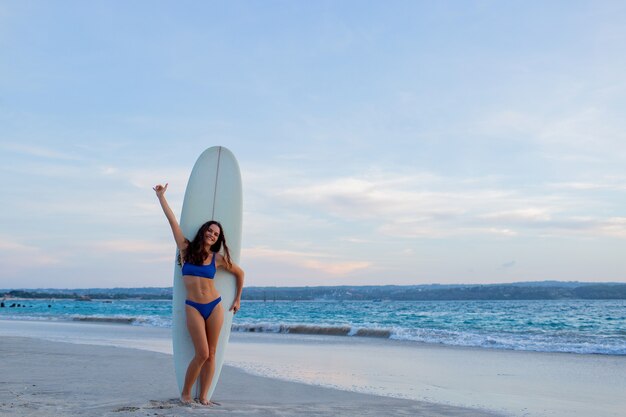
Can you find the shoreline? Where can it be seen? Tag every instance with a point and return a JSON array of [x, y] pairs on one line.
[[346, 331], [505, 382], [58, 379]]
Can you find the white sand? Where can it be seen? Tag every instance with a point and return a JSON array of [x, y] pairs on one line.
[[506, 382], [44, 378]]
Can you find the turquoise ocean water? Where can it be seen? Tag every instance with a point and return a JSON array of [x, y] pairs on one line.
[[577, 326]]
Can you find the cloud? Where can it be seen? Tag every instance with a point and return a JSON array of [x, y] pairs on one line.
[[366, 198], [108, 170], [132, 246], [16, 256], [508, 265], [397, 199], [144, 178], [501, 232], [317, 261], [425, 229], [335, 268], [607, 185], [28, 170], [575, 133], [428, 206], [356, 240], [507, 122], [614, 226], [531, 214], [586, 128], [41, 152]]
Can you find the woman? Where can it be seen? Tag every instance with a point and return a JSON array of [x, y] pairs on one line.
[[199, 259]]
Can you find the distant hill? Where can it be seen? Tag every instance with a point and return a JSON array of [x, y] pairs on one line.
[[518, 291], [546, 290], [149, 293]]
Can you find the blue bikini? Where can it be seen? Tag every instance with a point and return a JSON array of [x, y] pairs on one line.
[[203, 271], [205, 310]]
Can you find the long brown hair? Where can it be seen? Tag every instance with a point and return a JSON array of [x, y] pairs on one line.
[[196, 253]]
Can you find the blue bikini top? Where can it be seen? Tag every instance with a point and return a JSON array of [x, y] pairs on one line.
[[204, 271]]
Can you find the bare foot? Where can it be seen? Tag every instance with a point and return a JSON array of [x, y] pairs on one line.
[[204, 401], [186, 399]]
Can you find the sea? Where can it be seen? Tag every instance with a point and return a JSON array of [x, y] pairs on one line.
[[574, 326]]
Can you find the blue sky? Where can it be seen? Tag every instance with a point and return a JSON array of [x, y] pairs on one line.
[[380, 142]]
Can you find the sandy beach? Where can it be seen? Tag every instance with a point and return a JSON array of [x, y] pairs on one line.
[[44, 378], [126, 370]]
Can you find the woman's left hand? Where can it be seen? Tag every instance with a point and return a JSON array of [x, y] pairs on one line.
[[235, 307]]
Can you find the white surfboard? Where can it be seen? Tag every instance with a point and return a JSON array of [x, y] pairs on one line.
[[213, 193]]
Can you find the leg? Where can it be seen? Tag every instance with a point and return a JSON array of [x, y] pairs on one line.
[[197, 331], [213, 328]]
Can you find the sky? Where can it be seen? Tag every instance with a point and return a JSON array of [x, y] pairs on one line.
[[380, 142]]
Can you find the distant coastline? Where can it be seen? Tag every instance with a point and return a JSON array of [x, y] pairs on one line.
[[545, 290], [83, 294]]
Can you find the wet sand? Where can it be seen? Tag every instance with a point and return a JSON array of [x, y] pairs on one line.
[[45, 378], [275, 374]]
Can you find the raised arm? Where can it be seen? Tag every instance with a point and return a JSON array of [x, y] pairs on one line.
[[181, 241]]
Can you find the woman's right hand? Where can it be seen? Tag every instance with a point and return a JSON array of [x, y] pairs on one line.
[[181, 242], [160, 189]]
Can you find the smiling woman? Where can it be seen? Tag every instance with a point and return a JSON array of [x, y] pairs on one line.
[[200, 259]]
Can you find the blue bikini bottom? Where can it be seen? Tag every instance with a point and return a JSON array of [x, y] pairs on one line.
[[205, 310]]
